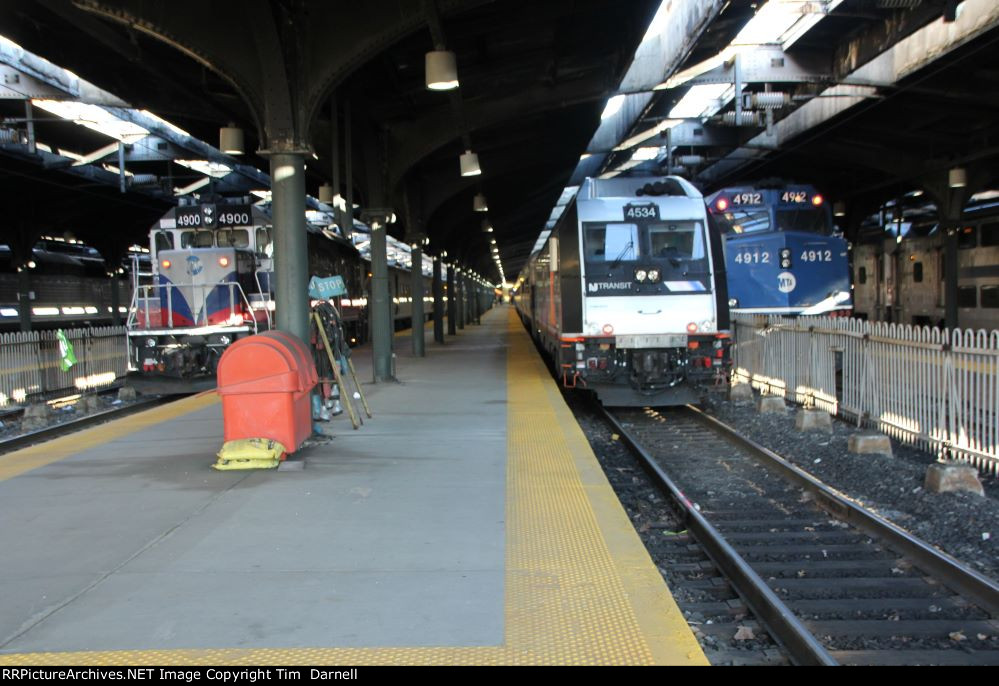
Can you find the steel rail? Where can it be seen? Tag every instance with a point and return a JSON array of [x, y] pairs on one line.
[[802, 647], [48, 433], [952, 573]]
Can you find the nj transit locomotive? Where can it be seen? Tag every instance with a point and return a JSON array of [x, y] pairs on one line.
[[781, 254], [628, 293], [212, 276]]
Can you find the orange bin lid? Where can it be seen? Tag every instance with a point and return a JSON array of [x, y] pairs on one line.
[[269, 362]]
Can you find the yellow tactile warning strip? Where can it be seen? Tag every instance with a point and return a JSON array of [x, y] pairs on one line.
[[580, 587], [26, 459]]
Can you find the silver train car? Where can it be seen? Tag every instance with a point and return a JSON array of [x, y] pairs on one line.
[[628, 295], [903, 281]]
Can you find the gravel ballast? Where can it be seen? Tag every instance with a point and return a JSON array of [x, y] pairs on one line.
[[961, 524]]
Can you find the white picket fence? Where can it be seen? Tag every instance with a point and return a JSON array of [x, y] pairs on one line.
[[935, 389], [30, 362]]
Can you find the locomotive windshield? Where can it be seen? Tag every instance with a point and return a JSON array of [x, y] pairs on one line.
[[744, 221], [622, 242], [804, 219]]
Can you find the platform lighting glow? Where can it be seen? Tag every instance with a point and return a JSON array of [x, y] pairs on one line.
[[613, 106], [216, 170], [94, 118], [441, 69]]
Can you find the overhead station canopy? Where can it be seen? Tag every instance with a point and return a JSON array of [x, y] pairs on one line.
[[762, 93]]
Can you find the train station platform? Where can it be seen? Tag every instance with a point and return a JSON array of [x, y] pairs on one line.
[[468, 522]]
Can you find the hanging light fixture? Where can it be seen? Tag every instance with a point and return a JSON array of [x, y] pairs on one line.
[[470, 164], [479, 203], [326, 194], [231, 139], [486, 226], [441, 71], [839, 208], [957, 177]]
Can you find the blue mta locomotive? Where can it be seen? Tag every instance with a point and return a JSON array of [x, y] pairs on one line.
[[781, 255]]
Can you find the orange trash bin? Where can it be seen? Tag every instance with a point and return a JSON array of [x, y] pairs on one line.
[[265, 382]]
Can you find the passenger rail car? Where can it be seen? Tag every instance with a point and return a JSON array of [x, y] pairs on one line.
[[628, 293], [903, 281], [69, 285], [782, 256]]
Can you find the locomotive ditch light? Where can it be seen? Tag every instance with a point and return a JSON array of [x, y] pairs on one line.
[[817, 199], [785, 264], [223, 261], [721, 204], [691, 327], [166, 264], [640, 275]]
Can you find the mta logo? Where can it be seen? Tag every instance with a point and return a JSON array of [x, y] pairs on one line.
[[786, 282], [194, 266]]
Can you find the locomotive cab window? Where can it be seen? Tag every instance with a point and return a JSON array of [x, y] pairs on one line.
[[197, 239], [917, 272], [233, 238], [677, 239], [264, 241], [164, 240], [805, 220], [743, 221], [611, 242]]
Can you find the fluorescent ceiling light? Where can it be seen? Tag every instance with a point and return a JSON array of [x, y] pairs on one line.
[[94, 118], [701, 101], [216, 170], [613, 106]]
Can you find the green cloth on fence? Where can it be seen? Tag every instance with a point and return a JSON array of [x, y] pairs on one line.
[[66, 357]]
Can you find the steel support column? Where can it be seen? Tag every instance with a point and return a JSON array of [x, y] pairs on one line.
[[950, 276], [24, 298], [416, 274], [291, 260], [460, 297], [381, 305], [115, 299], [438, 288], [452, 302]]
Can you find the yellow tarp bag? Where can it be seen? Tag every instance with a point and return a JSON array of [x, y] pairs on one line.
[[250, 453]]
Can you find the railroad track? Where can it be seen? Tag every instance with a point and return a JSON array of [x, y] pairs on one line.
[[830, 582], [28, 438]]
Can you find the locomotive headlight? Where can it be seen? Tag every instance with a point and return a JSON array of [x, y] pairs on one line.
[[654, 275], [150, 342], [707, 325], [223, 261], [785, 258], [640, 275], [732, 302], [165, 264]]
